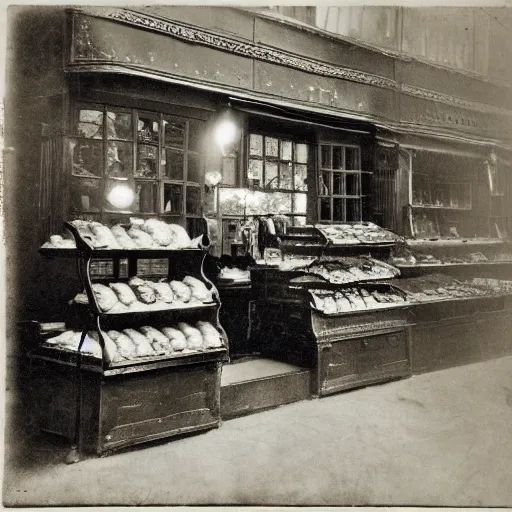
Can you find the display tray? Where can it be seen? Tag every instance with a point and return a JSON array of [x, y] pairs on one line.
[[134, 315], [90, 363], [423, 268], [357, 312], [233, 283], [449, 242], [78, 310], [115, 253]]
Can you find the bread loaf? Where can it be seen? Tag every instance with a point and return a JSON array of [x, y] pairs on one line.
[[181, 291], [198, 289], [124, 293], [176, 337], [105, 297]]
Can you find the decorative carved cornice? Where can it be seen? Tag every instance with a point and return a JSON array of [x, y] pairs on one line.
[[448, 99], [196, 35], [250, 50]]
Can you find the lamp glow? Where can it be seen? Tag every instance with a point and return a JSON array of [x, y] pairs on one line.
[[225, 133], [121, 196]]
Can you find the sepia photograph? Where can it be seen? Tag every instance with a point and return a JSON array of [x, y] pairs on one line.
[[257, 255]]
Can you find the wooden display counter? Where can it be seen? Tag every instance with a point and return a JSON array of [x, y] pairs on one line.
[[121, 410]]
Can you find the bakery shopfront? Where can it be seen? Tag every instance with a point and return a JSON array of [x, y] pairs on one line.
[[228, 200]]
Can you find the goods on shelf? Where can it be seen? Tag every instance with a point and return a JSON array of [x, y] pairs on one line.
[[355, 299], [356, 233], [59, 242], [406, 257], [234, 275], [146, 295], [147, 341], [349, 270], [294, 263], [497, 285], [435, 287], [138, 234]]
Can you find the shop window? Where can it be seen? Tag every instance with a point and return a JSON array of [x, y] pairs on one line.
[[279, 165], [153, 160], [341, 187]]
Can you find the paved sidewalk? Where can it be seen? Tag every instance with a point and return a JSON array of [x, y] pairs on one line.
[[441, 439]]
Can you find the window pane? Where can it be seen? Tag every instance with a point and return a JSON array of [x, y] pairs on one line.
[[87, 157], [90, 124], [193, 169], [85, 195], [337, 207], [146, 197], [352, 159], [255, 171], [337, 157], [271, 146], [324, 185], [353, 209], [174, 133], [338, 183], [326, 157], [256, 145], [148, 128], [301, 153], [147, 161], [231, 201], [193, 200], [325, 209], [119, 125], [271, 176], [286, 150], [285, 179], [119, 159], [353, 188], [195, 135], [173, 198], [300, 177], [173, 161], [300, 203]]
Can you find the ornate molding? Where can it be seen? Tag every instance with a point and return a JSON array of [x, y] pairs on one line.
[[250, 50], [199, 36], [448, 99]]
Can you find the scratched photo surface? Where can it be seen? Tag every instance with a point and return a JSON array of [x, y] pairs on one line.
[[257, 255]]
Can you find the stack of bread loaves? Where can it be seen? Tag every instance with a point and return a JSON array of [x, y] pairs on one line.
[[138, 234], [145, 295], [147, 341]]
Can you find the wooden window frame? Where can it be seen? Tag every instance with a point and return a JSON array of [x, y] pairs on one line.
[[160, 180], [343, 172]]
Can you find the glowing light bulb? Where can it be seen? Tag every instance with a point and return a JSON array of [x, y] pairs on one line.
[[121, 196], [225, 133]]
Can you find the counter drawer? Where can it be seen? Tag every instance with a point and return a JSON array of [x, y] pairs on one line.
[[364, 360]]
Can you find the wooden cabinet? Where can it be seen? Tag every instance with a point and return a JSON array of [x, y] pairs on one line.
[[359, 361], [121, 410], [345, 350]]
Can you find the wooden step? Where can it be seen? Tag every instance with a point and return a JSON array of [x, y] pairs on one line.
[[255, 385]]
